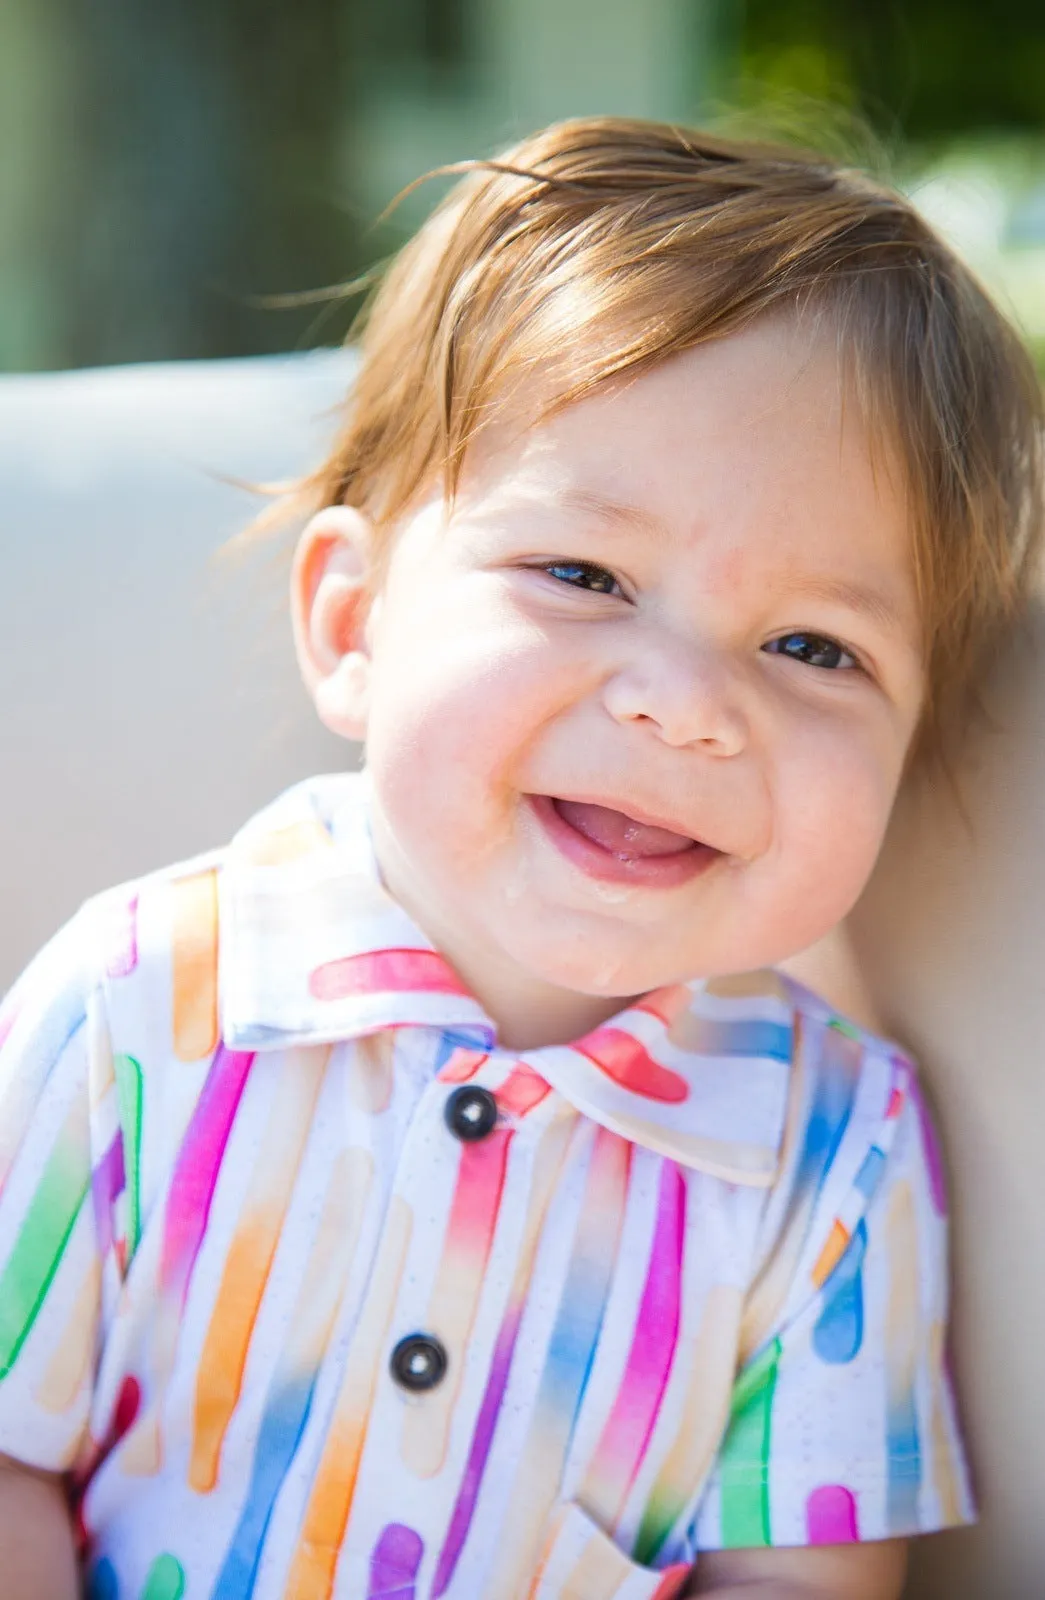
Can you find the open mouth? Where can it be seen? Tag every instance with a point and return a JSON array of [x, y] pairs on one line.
[[611, 844]]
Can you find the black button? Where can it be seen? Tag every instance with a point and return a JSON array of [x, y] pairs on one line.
[[418, 1362], [471, 1113]]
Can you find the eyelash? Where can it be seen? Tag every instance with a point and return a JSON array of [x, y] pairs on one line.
[[591, 569], [582, 568], [820, 639]]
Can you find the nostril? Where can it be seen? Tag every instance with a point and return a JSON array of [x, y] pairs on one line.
[[683, 695]]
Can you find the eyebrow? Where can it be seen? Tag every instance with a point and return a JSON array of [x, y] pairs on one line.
[[613, 511], [863, 598]]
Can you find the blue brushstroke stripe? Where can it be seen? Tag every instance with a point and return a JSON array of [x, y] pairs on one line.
[[281, 1429]]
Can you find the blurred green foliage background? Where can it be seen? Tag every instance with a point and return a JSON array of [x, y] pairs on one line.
[[177, 176]]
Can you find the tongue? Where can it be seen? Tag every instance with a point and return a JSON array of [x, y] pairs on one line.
[[620, 834]]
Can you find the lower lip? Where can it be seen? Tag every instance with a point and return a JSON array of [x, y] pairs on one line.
[[656, 872]]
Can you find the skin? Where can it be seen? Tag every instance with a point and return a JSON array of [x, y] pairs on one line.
[[37, 1553], [600, 617]]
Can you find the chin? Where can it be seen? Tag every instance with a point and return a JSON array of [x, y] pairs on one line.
[[611, 977]]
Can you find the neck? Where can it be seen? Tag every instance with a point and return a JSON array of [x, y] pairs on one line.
[[527, 1011], [530, 1013]]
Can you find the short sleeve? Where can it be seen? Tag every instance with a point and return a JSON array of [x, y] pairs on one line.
[[51, 1044], [843, 1424]]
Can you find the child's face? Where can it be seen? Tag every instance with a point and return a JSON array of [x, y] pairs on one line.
[[596, 768]]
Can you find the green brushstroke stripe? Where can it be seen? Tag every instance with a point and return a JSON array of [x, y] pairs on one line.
[[166, 1580], [44, 1234], [744, 1458], [129, 1096], [657, 1522]]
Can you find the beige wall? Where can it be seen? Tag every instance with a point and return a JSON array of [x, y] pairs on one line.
[[150, 701]]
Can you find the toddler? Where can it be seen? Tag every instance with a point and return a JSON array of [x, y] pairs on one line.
[[440, 1191]]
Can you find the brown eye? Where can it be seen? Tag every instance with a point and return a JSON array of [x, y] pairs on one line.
[[813, 650], [583, 575]]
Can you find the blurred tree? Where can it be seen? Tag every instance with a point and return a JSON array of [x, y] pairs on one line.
[[923, 69], [200, 170]]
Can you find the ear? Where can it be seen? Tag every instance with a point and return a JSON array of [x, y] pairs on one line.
[[329, 604]]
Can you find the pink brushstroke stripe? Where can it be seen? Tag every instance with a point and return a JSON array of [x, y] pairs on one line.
[[621, 1057], [521, 1091], [385, 972], [831, 1515], [124, 1415], [931, 1147], [462, 1065], [123, 940], [8, 1016], [667, 1005], [477, 1198], [903, 1082], [673, 1582], [621, 1449], [196, 1172]]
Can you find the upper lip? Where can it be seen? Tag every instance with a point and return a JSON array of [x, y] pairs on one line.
[[637, 813]]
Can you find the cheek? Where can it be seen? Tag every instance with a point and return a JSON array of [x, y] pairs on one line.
[[832, 809], [455, 708]]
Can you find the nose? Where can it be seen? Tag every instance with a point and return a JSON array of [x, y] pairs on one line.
[[685, 693]]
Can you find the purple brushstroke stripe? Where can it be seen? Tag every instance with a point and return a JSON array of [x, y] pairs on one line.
[[394, 1563], [107, 1182], [481, 1441]]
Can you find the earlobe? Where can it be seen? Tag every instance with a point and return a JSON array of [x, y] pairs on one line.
[[342, 698], [329, 606]]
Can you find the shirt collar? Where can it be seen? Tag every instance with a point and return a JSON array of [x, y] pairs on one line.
[[314, 950]]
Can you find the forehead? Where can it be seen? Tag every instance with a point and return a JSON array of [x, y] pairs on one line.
[[753, 439], [781, 375]]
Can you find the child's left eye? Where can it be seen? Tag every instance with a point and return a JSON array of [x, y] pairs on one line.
[[583, 575], [813, 650]]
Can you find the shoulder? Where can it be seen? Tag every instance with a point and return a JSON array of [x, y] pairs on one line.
[[163, 912], [846, 1077], [856, 1132], [854, 1093], [152, 944]]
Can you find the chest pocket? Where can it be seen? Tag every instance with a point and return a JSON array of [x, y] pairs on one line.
[[580, 1562]]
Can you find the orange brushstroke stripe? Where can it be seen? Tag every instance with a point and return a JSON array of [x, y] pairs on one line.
[[334, 1486], [70, 1364], [219, 1381], [194, 939], [225, 1349], [832, 1253]]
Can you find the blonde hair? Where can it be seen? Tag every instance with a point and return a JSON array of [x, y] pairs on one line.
[[601, 246]]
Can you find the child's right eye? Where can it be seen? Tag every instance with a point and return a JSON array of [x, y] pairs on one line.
[[583, 575]]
